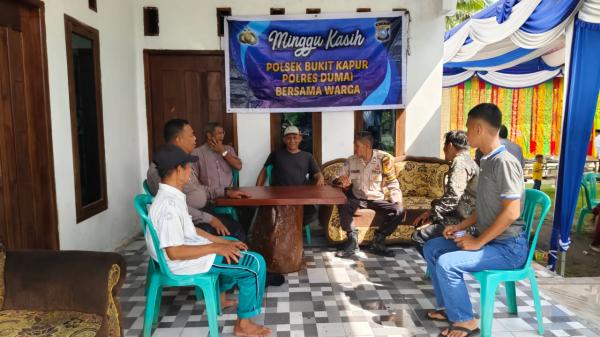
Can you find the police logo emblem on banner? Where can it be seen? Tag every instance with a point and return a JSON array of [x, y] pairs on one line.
[[383, 30], [247, 37]]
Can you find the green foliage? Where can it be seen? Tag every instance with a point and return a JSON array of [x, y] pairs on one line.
[[464, 10]]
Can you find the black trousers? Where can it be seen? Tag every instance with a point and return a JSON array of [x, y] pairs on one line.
[[235, 228], [393, 213]]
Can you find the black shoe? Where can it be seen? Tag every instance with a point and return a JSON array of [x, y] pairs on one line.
[[274, 279], [378, 246], [351, 247]]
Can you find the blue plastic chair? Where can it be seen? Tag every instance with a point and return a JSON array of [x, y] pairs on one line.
[[159, 276], [490, 279], [230, 210], [269, 169], [588, 184], [146, 187]]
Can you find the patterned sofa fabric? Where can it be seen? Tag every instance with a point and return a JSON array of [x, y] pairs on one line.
[[421, 180], [19, 323]]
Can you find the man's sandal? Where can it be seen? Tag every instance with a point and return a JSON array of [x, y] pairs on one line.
[[468, 331], [440, 312]]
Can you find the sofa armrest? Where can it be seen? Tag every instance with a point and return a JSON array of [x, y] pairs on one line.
[[63, 280]]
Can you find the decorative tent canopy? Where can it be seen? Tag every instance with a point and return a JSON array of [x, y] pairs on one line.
[[511, 43]]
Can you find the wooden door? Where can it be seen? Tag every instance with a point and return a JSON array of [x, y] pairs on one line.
[[28, 217], [188, 85]]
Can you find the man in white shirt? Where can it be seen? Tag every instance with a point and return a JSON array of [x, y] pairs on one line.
[[190, 250]]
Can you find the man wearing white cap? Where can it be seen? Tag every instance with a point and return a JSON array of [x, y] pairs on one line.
[[293, 167]]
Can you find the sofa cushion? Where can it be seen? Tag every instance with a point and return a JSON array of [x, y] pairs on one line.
[[20, 323], [423, 203], [421, 179]]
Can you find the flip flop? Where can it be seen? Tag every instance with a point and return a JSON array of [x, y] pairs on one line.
[[460, 328], [441, 312]]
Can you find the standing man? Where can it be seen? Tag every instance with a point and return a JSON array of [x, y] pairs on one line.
[[216, 160], [179, 132], [364, 176], [512, 148], [458, 201], [501, 244]]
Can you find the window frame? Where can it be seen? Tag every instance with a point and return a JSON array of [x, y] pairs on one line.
[[399, 141], [83, 212]]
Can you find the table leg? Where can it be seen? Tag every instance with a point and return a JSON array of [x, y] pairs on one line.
[[276, 233]]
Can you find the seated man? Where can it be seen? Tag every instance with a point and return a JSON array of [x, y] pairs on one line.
[[180, 133], [190, 250], [291, 167], [501, 243], [458, 201], [216, 160], [364, 176]]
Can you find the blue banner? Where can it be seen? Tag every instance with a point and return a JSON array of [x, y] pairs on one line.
[[316, 62]]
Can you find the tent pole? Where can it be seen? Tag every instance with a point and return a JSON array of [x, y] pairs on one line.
[[563, 263]]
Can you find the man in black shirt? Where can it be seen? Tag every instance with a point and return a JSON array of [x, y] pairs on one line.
[[290, 165], [293, 167]]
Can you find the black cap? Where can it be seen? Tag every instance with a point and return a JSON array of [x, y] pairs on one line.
[[169, 156]]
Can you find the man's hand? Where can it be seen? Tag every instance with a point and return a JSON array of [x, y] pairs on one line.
[[237, 194], [343, 181], [468, 242], [422, 219], [218, 225], [449, 231], [216, 146], [239, 245], [229, 251]]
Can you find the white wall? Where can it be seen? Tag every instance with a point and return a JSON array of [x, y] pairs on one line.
[[191, 24], [115, 23]]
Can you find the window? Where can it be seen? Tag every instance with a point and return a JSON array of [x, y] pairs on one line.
[[309, 124], [387, 127], [151, 27], [87, 129]]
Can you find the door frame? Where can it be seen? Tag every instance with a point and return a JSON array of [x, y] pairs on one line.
[[39, 21], [147, 81]]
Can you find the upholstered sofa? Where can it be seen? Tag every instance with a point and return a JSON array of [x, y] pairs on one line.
[[421, 180], [60, 293]]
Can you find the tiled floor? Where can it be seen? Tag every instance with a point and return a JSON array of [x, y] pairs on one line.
[[370, 296]]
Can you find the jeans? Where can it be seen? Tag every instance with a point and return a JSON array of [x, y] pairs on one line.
[[447, 264]]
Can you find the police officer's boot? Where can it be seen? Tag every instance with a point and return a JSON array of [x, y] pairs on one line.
[[351, 246], [378, 246]]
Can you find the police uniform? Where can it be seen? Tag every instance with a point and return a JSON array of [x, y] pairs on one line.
[[367, 191]]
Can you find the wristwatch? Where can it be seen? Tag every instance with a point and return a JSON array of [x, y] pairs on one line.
[[224, 153]]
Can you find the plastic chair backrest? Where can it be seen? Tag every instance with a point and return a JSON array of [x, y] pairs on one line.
[[534, 200], [589, 185], [146, 187], [269, 175], [142, 201], [235, 178]]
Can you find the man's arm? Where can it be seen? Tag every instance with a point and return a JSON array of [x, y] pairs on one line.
[[185, 252], [390, 180], [232, 159], [262, 177], [319, 179], [511, 210]]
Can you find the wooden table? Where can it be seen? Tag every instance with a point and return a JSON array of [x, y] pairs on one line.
[[276, 231]]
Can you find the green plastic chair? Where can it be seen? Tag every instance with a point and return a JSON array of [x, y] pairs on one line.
[[159, 276], [588, 184], [306, 226], [146, 187], [230, 210], [490, 279]]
